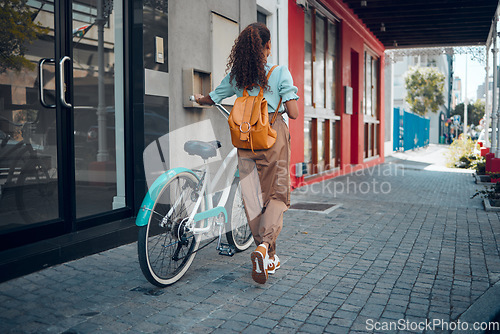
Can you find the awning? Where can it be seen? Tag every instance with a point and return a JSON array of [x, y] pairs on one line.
[[427, 23]]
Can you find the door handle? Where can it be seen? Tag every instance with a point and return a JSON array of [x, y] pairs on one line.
[[41, 82], [61, 82]]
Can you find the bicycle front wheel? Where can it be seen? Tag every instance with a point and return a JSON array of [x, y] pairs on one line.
[[239, 234], [166, 247]]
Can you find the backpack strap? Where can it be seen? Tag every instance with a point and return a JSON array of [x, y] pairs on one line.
[[279, 104], [271, 71], [275, 115]]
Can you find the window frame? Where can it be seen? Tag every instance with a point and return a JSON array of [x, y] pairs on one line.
[[322, 115], [371, 118]]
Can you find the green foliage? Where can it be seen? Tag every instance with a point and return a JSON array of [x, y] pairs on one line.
[[479, 165], [475, 112], [17, 31], [492, 192], [461, 153], [424, 87]]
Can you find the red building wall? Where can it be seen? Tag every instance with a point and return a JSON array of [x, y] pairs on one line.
[[296, 67], [354, 38]]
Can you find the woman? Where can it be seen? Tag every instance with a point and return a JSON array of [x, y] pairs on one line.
[[264, 175]]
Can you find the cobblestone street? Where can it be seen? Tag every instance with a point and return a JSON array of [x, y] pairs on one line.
[[406, 242]]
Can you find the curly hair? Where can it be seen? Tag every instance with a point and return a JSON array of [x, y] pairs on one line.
[[246, 61]]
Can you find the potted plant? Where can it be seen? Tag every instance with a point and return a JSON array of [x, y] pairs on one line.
[[491, 197], [479, 167]]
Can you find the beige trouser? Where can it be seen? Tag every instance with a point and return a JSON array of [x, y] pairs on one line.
[[265, 186]]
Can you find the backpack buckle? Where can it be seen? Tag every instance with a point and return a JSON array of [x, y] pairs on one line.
[[248, 130]]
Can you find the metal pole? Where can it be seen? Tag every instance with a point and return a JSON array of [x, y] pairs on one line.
[[102, 145], [487, 100], [494, 116], [496, 126], [466, 102]]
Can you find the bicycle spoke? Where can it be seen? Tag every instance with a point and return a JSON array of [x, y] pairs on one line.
[[170, 246], [239, 235]]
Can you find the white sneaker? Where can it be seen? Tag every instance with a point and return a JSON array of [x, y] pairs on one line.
[[273, 264], [260, 260]]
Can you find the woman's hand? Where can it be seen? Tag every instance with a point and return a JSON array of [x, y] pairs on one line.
[[292, 109], [200, 99], [197, 97]]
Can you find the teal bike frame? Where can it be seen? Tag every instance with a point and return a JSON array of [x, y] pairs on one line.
[[228, 168]]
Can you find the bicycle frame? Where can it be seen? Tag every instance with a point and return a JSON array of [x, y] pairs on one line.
[[229, 164], [228, 168]]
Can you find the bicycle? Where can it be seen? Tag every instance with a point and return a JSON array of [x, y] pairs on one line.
[[181, 207], [29, 173]]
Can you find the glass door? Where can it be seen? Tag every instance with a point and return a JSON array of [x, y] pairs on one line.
[[28, 137], [97, 43], [61, 116]]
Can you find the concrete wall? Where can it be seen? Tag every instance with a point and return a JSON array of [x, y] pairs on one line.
[[190, 45]]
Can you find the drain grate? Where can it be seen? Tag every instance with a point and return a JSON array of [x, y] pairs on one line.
[[324, 208]]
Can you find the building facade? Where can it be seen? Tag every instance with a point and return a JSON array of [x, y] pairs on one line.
[[94, 103], [338, 67], [87, 87]]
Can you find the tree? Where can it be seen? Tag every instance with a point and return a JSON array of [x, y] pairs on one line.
[[424, 87], [17, 31], [474, 112]]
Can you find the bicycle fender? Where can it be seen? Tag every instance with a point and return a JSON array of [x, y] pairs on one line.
[[149, 200]]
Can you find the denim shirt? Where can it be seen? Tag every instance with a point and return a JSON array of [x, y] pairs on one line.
[[280, 83]]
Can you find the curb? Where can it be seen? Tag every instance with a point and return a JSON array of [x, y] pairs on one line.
[[485, 309], [488, 206], [477, 179]]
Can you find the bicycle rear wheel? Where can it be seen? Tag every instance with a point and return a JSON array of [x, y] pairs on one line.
[[239, 234], [166, 248]]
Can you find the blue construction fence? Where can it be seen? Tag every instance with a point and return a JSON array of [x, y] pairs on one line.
[[410, 131]]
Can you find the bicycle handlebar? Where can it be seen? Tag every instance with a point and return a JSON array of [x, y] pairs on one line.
[[218, 105]]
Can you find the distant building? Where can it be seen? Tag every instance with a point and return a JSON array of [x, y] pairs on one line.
[[481, 91], [456, 96], [398, 71]]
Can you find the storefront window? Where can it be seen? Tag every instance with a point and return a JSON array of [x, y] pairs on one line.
[[321, 146], [319, 63], [307, 144], [321, 40], [98, 109], [28, 155], [370, 105], [308, 60], [333, 143], [330, 66]]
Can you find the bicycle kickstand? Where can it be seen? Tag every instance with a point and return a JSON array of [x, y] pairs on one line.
[[224, 249]]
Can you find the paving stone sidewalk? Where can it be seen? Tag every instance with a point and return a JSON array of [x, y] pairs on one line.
[[416, 248]]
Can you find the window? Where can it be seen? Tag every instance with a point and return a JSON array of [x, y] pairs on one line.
[[320, 73], [308, 125], [261, 17], [370, 105], [224, 33]]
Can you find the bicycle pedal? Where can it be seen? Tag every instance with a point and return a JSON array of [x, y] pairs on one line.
[[226, 249]]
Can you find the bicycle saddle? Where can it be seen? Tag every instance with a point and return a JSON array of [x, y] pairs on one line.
[[203, 149]]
